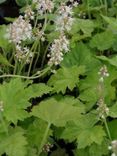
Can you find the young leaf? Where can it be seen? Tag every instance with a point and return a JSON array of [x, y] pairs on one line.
[[65, 77]]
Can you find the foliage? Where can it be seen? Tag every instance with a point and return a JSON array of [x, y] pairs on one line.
[[58, 83]]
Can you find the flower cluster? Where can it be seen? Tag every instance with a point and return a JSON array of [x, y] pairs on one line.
[[113, 147], [59, 46], [63, 23], [103, 73], [20, 30], [43, 6], [64, 19], [102, 109], [1, 106], [29, 14], [23, 54], [47, 147]]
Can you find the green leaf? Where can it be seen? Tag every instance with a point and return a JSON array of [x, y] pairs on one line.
[[31, 151], [89, 87], [4, 42], [16, 95], [113, 128], [15, 101], [89, 136], [37, 90], [86, 26], [56, 112], [65, 78], [94, 150], [80, 55], [112, 61], [35, 132], [113, 110], [14, 144], [99, 150], [23, 2], [4, 61], [84, 131], [112, 23], [81, 152], [102, 41]]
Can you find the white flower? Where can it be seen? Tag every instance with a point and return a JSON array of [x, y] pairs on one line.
[[44, 5], [23, 54], [113, 154], [57, 49], [64, 19], [1, 106], [65, 10], [102, 109], [29, 14], [20, 30], [103, 72], [64, 23]]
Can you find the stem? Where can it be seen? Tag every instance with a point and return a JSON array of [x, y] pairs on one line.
[[101, 2], [34, 47], [27, 77], [38, 55], [89, 15], [15, 68], [44, 139], [43, 59], [107, 129], [106, 6]]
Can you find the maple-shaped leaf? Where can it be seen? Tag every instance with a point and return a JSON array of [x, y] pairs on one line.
[[81, 55], [56, 112], [65, 78], [37, 90], [85, 131], [15, 96], [106, 37], [14, 144], [94, 150], [14, 100]]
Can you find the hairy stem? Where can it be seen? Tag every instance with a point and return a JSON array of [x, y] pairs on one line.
[[27, 77], [44, 139], [107, 129]]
